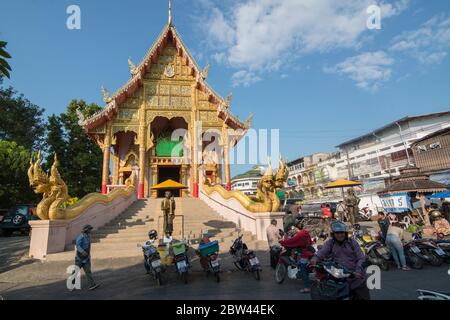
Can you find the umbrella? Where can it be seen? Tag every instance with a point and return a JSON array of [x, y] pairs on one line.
[[439, 195], [342, 183], [169, 184]]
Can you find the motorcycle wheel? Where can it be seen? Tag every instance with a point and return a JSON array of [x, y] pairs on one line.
[[415, 261], [238, 265], [256, 274], [315, 292], [280, 273], [435, 260], [184, 277], [384, 265], [158, 279]]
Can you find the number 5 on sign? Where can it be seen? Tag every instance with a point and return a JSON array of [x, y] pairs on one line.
[[74, 279]]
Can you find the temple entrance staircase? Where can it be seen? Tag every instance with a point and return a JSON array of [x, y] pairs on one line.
[[119, 238]]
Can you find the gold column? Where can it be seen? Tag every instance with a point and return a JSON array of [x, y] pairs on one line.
[[142, 147], [226, 156], [155, 180], [116, 162], [106, 158], [195, 160]]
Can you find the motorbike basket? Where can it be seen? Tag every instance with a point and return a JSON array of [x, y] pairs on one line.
[[179, 248], [208, 248], [333, 290]]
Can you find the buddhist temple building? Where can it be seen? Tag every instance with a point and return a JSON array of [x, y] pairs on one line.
[[167, 91]]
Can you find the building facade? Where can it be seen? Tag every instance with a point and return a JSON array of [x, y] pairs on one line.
[[376, 157], [432, 155], [138, 130], [248, 181]]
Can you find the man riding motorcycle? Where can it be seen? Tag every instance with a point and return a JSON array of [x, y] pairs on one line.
[[152, 235], [302, 242], [346, 252]]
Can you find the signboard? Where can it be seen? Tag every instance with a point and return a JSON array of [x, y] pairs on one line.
[[396, 203]]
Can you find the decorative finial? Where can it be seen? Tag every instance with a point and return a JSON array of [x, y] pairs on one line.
[[228, 100], [170, 12], [205, 72], [106, 96], [133, 69]]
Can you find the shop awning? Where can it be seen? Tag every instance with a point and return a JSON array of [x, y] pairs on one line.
[[169, 184]]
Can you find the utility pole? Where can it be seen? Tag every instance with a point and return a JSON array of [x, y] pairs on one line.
[[404, 143]]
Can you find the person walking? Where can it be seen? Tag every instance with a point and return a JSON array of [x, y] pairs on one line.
[[83, 255], [168, 210], [273, 237], [340, 211], [394, 239], [383, 223]]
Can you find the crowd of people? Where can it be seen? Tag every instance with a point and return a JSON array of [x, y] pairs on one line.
[[344, 249]]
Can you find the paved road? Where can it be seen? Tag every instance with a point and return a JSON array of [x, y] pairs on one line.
[[13, 252], [125, 279]]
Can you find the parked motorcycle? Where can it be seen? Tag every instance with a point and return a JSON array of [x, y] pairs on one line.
[[365, 214], [181, 259], [414, 256], [445, 246], [244, 259], [438, 250], [433, 295], [376, 252], [153, 260], [331, 282], [209, 256]]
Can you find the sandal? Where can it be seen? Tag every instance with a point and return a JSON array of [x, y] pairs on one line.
[[305, 290]]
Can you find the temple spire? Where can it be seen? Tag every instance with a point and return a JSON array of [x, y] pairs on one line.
[[170, 12]]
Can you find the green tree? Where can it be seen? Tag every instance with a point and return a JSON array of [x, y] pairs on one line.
[[20, 120], [14, 186], [5, 68], [82, 167], [55, 141]]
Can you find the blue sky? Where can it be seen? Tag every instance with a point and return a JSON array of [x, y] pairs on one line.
[[309, 68]]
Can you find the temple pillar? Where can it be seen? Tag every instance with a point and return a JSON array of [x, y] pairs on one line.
[[142, 148], [195, 140], [226, 157], [116, 161], [154, 193], [106, 158]]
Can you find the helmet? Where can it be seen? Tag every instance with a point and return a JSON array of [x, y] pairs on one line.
[[435, 214], [338, 226], [153, 234]]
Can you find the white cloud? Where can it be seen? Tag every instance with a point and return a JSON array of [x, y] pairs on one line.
[[429, 43], [264, 35], [245, 78], [369, 70]]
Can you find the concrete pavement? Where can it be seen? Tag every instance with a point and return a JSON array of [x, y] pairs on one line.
[[124, 278]]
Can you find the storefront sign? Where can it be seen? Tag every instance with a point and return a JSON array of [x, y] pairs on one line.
[[396, 203]]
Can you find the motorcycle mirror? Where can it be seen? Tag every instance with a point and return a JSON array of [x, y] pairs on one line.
[[238, 230], [139, 245]]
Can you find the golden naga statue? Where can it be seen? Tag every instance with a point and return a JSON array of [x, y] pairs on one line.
[[55, 193], [266, 199]]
